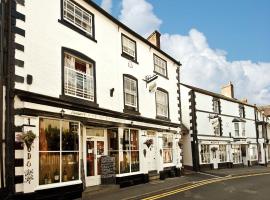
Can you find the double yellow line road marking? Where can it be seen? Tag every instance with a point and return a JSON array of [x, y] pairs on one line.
[[201, 183]]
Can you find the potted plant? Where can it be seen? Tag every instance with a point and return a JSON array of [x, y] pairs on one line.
[[148, 142], [27, 138]]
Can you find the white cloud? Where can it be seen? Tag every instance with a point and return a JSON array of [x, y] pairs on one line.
[[107, 5], [203, 66], [138, 14]]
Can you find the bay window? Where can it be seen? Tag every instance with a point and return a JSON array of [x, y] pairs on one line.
[[58, 151], [160, 66], [162, 103], [78, 17], [236, 129], [130, 93], [78, 77], [167, 146], [205, 153]]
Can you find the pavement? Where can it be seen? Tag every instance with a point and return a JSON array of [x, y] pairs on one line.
[[113, 192]]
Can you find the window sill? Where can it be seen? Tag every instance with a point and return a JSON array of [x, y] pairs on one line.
[[163, 118], [159, 74], [129, 57], [72, 99], [128, 110], [74, 28]]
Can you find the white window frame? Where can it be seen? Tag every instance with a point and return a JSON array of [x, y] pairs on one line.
[[129, 47], [160, 65], [205, 153], [223, 152], [72, 77], [236, 129], [128, 91], [162, 104], [243, 126], [215, 106], [167, 145], [79, 15]]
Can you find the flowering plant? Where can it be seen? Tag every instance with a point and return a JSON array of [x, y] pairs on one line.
[[148, 142], [28, 138]]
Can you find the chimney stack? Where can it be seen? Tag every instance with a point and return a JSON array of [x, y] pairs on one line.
[[154, 38], [228, 90]]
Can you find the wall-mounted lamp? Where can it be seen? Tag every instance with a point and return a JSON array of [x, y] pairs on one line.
[[62, 112]]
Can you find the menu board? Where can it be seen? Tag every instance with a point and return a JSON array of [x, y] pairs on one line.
[[107, 165]]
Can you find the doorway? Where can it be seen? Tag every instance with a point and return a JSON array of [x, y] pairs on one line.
[[96, 146], [151, 155], [215, 156]]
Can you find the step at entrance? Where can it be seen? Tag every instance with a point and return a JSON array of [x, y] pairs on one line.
[[153, 175]]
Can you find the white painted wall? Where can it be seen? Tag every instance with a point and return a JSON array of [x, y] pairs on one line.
[[185, 106], [45, 37]]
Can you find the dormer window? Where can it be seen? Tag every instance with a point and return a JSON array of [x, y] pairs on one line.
[[216, 105], [78, 17], [242, 111]]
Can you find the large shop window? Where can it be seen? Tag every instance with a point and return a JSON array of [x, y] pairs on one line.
[[222, 153], [78, 17], [205, 153], [160, 66], [167, 148], [236, 151], [124, 147], [79, 77], [130, 93], [253, 152], [162, 104], [58, 151]]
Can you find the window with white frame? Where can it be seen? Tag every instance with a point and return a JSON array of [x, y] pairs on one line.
[[236, 129], [160, 65], [167, 147], [223, 153], [79, 77], [162, 103], [216, 105], [129, 47], [58, 151], [78, 16], [205, 153], [253, 152], [242, 111], [216, 126], [130, 93], [236, 151], [243, 125]]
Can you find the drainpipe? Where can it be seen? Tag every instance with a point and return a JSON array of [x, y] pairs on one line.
[[1, 92]]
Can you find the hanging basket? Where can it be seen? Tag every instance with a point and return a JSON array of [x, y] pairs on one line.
[[214, 149], [27, 138], [148, 142]]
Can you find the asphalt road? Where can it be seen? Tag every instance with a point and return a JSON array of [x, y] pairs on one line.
[[243, 188]]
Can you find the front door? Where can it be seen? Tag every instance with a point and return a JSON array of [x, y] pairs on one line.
[[244, 154], [215, 156], [95, 148]]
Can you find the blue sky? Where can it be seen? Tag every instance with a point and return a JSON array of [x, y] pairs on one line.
[[216, 41], [240, 27]]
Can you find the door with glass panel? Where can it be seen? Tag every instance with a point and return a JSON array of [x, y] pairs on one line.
[[96, 147]]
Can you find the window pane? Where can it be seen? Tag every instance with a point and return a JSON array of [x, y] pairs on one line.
[[125, 140], [70, 166], [167, 155], [124, 158], [113, 139], [70, 140], [49, 135], [115, 154], [49, 168], [135, 164], [134, 141]]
